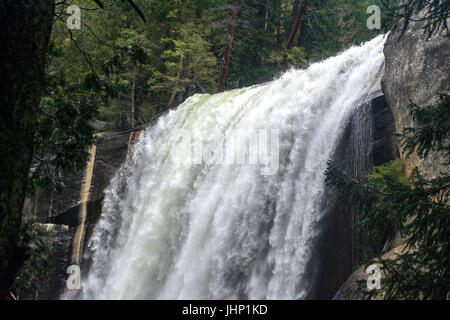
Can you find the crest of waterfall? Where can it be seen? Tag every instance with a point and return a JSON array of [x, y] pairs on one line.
[[174, 230]]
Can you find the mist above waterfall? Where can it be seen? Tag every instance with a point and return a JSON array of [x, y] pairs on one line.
[[183, 230]]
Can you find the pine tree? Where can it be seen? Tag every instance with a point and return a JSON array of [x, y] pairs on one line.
[[228, 46]]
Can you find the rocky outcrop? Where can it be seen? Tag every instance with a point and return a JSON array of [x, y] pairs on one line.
[[417, 70], [62, 212]]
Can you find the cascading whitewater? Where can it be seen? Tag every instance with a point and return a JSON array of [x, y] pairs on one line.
[[174, 230]]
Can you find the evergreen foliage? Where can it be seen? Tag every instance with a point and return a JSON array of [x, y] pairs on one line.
[[30, 278], [432, 132]]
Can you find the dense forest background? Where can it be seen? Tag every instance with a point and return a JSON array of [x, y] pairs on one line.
[[123, 72], [179, 50]]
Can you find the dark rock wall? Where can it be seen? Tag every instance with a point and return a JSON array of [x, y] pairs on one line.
[[61, 212], [63, 208], [55, 279], [367, 140]]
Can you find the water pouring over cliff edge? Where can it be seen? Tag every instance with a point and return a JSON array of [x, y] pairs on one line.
[[202, 231]]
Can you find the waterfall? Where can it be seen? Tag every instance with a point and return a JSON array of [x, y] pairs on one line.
[[205, 230]]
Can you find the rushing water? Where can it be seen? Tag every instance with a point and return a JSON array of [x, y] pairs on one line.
[[174, 230]]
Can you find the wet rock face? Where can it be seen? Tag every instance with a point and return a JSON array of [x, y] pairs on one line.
[[111, 153], [417, 70], [367, 140]]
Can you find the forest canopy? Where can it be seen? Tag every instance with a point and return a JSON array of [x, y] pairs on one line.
[[179, 50], [118, 71]]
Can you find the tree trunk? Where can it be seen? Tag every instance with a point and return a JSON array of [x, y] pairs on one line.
[[266, 26], [177, 82], [280, 29], [25, 32], [198, 14], [228, 46], [298, 15], [297, 24], [133, 99], [266, 21], [295, 6]]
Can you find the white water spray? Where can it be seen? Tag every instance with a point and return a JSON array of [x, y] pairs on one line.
[[205, 231]]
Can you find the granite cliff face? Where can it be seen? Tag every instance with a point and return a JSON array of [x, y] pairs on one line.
[[416, 70]]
